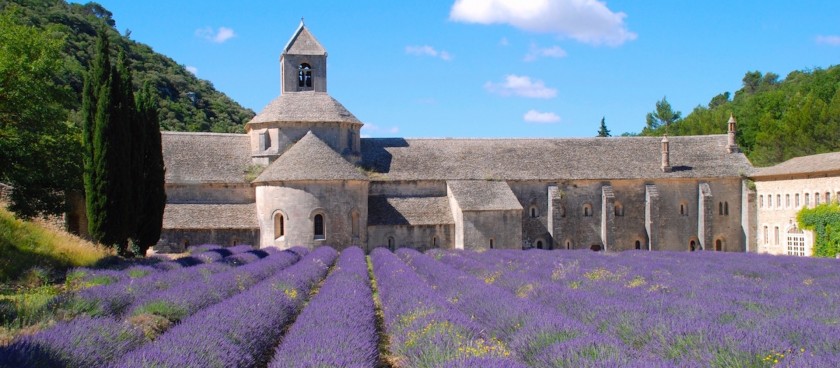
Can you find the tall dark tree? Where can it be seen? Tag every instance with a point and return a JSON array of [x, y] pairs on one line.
[[153, 200], [603, 131], [108, 162]]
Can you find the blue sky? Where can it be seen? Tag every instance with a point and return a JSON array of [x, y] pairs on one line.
[[494, 68]]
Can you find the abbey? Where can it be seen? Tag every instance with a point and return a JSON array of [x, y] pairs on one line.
[[303, 175]]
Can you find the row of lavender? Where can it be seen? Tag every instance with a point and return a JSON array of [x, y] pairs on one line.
[[678, 308], [86, 341], [85, 277]]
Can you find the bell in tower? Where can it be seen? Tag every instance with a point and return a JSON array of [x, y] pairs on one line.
[[303, 63]]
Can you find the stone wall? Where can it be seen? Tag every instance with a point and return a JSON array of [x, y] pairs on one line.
[[420, 237], [300, 201], [344, 138], [176, 240], [492, 229], [210, 193], [535, 218]]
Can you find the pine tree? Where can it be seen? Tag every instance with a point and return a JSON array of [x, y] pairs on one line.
[[150, 210], [603, 131]]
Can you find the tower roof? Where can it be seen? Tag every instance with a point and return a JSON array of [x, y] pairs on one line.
[[310, 159], [304, 43], [305, 107]]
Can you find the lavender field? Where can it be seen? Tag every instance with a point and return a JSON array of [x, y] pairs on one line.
[[498, 308]]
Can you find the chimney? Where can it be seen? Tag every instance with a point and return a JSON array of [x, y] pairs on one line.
[[731, 146], [666, 155]]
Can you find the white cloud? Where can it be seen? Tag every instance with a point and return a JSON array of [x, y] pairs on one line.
[[587, 21], [535, 52], [828, 40], [192, 69], [218, 36], [534, 116], [520, 85], [427, 50]]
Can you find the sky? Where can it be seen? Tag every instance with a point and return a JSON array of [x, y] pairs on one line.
[[494, 68]]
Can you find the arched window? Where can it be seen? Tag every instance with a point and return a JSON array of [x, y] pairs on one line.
[[827, 197], [568, 244], [304, 75], [807, 199], [318, 223], [718, 245], [434, 241], [587, 210], [766, 235], [761, 201], [776, 235], [562, 211], [619, 209], [391, 243], [595, 247], [778, 201], [279, 225], [534, 212], [638, 244], [234, 242], [816, 199], [692, 246], [796, 200], [787, 200], [726, 208], [539, 244], [350, 140], [720, 208], [354, 223], [491, 243], [795, 242], [684, 209]]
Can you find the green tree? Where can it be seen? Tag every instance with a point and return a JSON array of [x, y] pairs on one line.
[[603, 131], [663, 116], [39, 150], [153, 200], [824, 220], [108, 174]]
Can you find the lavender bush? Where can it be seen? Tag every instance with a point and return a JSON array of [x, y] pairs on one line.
[[424, 330], [242, 330], [338, 327], [82, 342]]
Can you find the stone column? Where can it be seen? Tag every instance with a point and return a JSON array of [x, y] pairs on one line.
[[705, 211], [607, 217], [652, 223]]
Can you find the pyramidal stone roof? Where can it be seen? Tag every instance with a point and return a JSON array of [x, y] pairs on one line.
[[414, 211], [210, 216], [310, 159], [306, 106], [809, 166], [304, 43]]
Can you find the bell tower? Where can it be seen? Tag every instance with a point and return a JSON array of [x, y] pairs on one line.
[[303, 63]]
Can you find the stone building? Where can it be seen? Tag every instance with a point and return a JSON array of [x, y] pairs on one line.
[[302, 175], [786, 188]]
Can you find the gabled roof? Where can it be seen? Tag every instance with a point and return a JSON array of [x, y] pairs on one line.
[[205, 157], [310, 159], [483, 195], [304, 107], [303, 43], [550, 159], [210, 216], [809, 166], [409, 211]]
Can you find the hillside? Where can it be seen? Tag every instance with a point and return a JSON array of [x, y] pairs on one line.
[[24, 245], [777, 119], [187, 103]]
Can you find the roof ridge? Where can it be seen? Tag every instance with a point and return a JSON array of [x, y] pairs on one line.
[[310, 158]]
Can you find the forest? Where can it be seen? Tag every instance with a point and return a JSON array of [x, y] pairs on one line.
[[778, 119]]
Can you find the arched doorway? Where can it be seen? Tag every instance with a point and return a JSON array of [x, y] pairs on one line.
[[595, 247], [539, 244], [638, 245], [718, 245], [692, 246]]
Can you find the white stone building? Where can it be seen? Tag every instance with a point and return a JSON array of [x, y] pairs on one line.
[[783, 190]]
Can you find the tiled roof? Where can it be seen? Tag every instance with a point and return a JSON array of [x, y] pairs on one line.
[[550, 159], [205, 157], [210, 216], [304, 43], [307, 106], [310, 159], [483, 195], [805, 165], [409, 211]]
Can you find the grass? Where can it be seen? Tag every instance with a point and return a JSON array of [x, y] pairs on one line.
[[25, 246]]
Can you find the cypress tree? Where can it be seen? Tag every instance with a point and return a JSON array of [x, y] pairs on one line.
[[150, 210], [97, 79]]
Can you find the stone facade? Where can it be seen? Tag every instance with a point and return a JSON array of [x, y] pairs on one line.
[[320, 183], [783, 190]]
